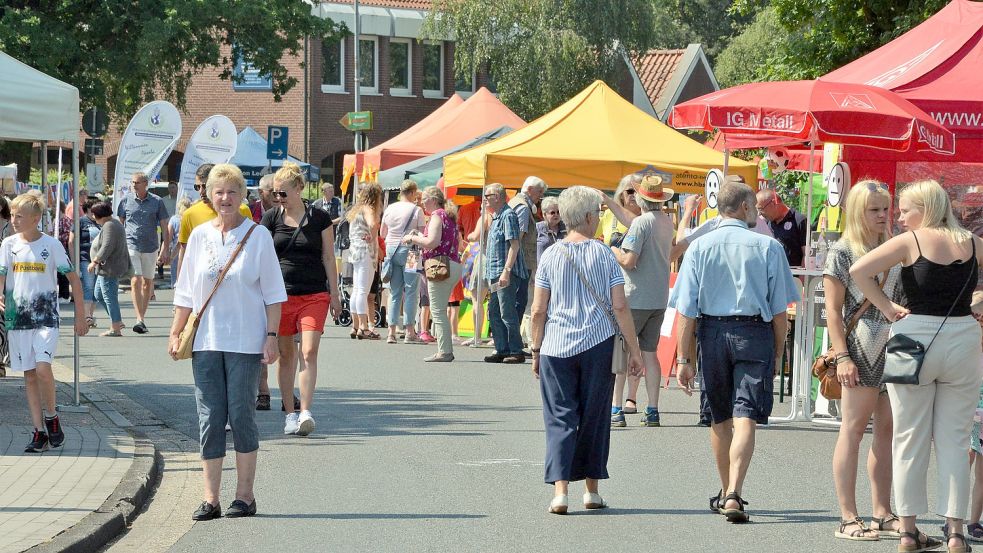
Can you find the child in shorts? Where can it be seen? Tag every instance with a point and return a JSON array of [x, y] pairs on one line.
[[29, 265]]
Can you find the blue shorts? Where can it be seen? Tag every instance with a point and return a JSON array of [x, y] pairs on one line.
[[737, 358]]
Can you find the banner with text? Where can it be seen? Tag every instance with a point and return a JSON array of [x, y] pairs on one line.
[[149, 138], [214, 141]]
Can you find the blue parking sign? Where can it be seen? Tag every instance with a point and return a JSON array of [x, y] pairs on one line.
[[276, 142]]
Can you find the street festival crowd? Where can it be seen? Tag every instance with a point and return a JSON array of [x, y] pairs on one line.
[[578, 283]]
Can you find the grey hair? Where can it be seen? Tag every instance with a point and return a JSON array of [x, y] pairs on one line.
[[266, 183], [534, 182], [225, 173], [767, 195], [576, 203], [626, 181], [646, 205], [435, 194], [141, 176], [732, 195], [549, 203], [494, 188]]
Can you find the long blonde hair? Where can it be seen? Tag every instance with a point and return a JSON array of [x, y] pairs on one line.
[[932, 201], [368, 195], [855, 229]]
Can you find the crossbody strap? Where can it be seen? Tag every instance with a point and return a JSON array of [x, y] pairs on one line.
[[863, 308], [228, 265], [300, 226], [608, 309], [972, 273]]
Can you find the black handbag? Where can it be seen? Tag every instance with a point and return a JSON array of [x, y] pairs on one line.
[[904, 356]]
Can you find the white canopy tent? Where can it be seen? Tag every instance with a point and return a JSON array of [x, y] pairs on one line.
[[37, 108]]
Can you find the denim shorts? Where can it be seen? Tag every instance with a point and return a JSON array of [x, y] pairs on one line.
[[737, 360], [226, 385]]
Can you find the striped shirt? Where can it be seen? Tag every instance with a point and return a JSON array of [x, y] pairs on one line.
[[574, 321], [503, 229]]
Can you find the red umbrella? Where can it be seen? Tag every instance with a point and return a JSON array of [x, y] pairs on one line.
[[843, 113]]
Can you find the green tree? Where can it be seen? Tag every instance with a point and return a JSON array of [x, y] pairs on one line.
[[121, 54], [822, 35], [542, 52], [708, 22], [747, 58]]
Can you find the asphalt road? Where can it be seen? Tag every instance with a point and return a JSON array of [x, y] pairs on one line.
[[410, 456]]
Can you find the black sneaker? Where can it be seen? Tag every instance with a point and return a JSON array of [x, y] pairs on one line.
[[514, 358], [238, 508], [55, 435], [495, 358], [140, 328], [296, 405], [207, 511], [263, 402], [39, 442]]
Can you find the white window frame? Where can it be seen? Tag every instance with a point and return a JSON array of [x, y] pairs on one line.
[[340, 88], [474, 86], [408, 91], [428, 93], [370, 89]]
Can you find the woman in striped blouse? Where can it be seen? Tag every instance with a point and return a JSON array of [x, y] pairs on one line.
[[572, 344]]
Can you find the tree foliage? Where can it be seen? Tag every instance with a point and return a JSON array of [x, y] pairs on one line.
[[747, 57], [708, 22], [542, 52], [819, 36], [122, 53]]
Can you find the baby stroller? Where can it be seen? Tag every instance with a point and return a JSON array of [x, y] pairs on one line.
[[345, 289]]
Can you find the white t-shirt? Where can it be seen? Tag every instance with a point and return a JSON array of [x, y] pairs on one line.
[[397, 221], [31, 290], [235, 320]]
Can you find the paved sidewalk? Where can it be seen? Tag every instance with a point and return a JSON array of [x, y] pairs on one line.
[[42, 495]]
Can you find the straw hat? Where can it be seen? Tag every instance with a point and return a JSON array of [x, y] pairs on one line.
[[651, 189]]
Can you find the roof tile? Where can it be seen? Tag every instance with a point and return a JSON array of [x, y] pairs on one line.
[[655, 69]]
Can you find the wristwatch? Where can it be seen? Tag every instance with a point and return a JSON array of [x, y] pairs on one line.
[[271, 334], [682, 361]]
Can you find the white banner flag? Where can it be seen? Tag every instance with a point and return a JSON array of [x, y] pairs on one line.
[[149, 138], [214, 141]]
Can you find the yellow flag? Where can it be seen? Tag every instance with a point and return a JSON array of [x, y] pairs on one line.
[[346, 179]]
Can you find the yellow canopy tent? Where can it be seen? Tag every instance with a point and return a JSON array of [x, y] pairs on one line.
[[593, 139]]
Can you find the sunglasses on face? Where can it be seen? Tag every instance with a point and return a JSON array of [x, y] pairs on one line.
[[553, 212], [279, 193], [493, 195], [874, 187], [198, 187], [630, 192]]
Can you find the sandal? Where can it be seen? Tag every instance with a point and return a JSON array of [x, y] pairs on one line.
[[922, 542], [91, 321], [878, 524], [974, 532], [735, 516], [111, 332], [633, 409], [715, 502], [391, 339], [862, 533], [964, 548], [354, 334], [368, 335]]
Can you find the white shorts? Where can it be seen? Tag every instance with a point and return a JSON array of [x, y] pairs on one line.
[[144, 264], [30, 347]]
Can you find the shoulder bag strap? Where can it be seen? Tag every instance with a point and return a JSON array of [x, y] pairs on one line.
[[608, 309], [972, 276], [228, 264], [863, 308], [300, 226]]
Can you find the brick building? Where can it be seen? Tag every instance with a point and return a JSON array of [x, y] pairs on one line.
[[403, 80]]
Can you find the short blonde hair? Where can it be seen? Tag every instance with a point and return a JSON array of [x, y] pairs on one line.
[[28, 202], [855, 228], [933, 202], [225, 173], [183, 204], [290, 174], [434, 193], [408, 187]]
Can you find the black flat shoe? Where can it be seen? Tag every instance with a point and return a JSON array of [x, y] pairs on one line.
[[238, 508], [207, 511]]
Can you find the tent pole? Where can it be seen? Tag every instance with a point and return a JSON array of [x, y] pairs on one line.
[[76, 215], [809, 264], [44, 177], [726, 156], [478, 304]]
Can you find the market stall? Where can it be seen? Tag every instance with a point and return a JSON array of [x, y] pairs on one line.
[[427, 170], [250, 157]]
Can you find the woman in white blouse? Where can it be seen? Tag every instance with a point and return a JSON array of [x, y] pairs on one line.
[[579, 284], [236, 333]]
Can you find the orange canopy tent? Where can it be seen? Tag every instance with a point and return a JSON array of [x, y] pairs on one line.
[[449, 126]]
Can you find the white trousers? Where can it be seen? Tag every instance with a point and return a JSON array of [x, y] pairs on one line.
[[940, 409], [363, 272]]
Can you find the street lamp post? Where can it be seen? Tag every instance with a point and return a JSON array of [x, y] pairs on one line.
[[358, 99]]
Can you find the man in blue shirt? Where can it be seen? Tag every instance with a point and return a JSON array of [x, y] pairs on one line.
[[141, 214], [504, 272], [735, 286]]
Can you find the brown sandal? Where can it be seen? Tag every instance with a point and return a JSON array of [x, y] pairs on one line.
[[923, 542], [862, 533], [878, 524]]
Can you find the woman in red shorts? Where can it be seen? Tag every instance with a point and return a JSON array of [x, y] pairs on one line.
[[304, 242]]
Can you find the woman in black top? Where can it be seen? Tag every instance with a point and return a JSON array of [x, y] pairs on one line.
[[304, 242], [939, 271]]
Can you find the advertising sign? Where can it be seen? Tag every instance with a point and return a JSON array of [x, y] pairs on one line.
[[214, 141], [149, 138]]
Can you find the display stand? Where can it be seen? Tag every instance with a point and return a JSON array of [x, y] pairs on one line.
[[802, 349]]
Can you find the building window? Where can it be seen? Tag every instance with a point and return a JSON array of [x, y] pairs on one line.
[[245, 76], [433, 69], [465, 86], [368, 65], [333, 66], [400, 67]]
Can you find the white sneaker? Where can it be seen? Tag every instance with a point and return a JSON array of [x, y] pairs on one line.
[[290, 425], [306, 422]]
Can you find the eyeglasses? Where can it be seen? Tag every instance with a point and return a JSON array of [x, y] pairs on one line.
[[492, 195], [279, 193], [874, 186], [198, 187], [551, 212], [136, 182], [630, 192]]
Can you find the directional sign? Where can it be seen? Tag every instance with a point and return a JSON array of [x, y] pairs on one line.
[[95, 122], [357, 121], [276, 142]]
